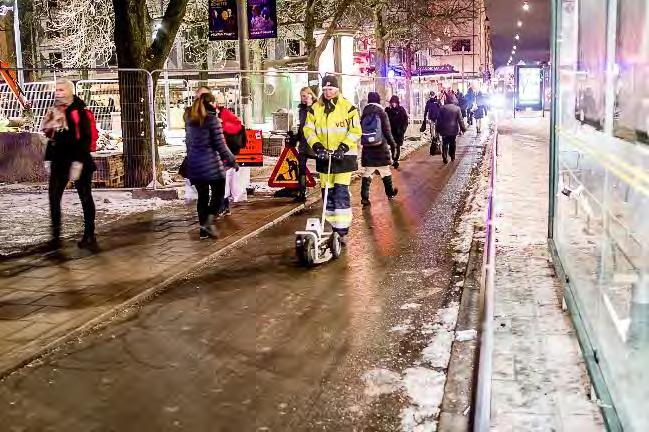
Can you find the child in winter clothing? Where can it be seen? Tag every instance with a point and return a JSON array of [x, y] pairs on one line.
[[378, 147]]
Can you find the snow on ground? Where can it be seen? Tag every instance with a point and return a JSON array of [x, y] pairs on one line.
[[423, 383], [25, 217]]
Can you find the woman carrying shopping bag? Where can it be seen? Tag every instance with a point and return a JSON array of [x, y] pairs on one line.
[[208, 157]]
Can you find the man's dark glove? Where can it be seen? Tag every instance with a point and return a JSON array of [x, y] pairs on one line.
[[339, 153], [423, 127], [320, 151]]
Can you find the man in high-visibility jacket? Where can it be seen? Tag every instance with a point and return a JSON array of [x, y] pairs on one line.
[[333, 125]]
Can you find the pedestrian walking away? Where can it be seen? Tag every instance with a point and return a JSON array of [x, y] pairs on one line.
[[333, 125], [68, 126], [307, 99], [449, 125], [461, 100], [431, 112], [208, 158], [470, 104], [481, 110], [378, 146], [399, 124]]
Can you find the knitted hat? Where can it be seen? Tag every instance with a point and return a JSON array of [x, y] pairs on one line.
[[329, 81], [394, 99], [373, 97]]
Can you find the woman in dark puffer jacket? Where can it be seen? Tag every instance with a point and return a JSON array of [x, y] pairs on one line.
[[376, 157], [208, 158]]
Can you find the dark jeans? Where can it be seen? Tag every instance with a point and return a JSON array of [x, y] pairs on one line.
[[59, 180], [302, 160], [206, 205], [397, 151], [448, 147]]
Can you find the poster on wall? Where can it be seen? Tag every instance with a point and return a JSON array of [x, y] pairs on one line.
[[223, 20], [591, 63], [262, 19], [632, 60]]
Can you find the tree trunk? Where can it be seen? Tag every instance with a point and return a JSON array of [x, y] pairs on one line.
[[381, 53], [135, 50], [408, 70]]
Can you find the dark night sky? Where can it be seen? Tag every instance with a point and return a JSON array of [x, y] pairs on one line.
[[534, 44]]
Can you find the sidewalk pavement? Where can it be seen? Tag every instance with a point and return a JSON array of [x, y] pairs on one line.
[[539, 381], [45, 300]]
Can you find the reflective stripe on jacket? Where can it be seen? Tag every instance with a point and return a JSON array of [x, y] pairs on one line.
[[340, 126]]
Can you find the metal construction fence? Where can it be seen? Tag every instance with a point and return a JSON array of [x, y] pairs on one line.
[[137, 111]]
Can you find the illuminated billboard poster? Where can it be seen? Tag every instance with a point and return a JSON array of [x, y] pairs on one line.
[[223, 20], [262, 16], [529, 87]]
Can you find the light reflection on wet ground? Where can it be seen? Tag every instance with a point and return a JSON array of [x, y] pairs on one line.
[[256, 343]]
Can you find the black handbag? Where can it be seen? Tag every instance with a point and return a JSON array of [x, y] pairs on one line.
[[182, 170], [434, 147]]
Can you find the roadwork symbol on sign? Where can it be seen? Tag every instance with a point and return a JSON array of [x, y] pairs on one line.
[[285, 173]]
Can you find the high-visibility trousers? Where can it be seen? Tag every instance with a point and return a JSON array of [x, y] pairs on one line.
[[339, 207]]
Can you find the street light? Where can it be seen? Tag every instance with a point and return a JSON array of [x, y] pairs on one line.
[[515, 47], [526, 6], [519, 23], [517, 37]]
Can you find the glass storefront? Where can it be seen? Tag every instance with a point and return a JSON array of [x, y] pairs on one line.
[[600, 208]]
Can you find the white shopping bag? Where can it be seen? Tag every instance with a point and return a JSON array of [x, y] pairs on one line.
[[190, 192]]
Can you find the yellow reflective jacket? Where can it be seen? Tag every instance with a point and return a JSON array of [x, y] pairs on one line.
[[338, 124]]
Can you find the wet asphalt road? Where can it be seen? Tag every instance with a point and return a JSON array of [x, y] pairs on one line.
[[254, 342]]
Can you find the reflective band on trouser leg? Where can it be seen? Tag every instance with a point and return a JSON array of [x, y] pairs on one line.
[[339, 209]]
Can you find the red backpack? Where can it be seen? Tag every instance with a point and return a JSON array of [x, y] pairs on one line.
[[94, 133]]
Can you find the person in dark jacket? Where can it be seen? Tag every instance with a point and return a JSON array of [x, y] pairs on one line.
[[461, 101], [399, 124], [307, 98], [377, 157], [481, 111], [431, 112], [67, 156], [470, 100], [449, 125], [208, 157]]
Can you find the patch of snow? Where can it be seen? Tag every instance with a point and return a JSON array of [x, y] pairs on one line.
[[409, 306], [447, 317], [438, 352], [466, 335], [381, 381], [401, 328], [425, 389], [31, 207]]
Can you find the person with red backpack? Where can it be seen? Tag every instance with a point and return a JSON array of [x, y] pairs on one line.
[[72, 135]]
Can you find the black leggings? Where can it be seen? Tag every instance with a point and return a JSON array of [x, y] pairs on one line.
[[209, 206], [59, 180]]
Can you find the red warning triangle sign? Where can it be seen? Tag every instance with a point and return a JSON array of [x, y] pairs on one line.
[[285, 174]]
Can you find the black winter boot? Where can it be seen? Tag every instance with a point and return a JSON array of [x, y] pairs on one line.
[[365, 191], [390, 190]]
